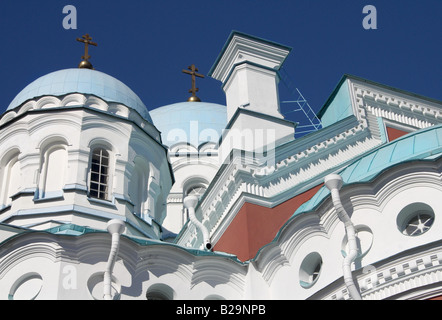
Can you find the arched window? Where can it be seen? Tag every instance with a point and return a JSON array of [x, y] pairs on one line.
[[11, 179], [52, 171], [99, 174], [138, 189]]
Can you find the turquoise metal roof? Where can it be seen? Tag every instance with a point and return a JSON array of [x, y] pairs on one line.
[[419, 145], [339, 107], [84, 81], [190, 122]]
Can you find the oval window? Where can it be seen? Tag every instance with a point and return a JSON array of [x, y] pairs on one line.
[[310, 270], [27, 287]]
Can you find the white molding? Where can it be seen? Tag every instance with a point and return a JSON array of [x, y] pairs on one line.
[[243, 48]]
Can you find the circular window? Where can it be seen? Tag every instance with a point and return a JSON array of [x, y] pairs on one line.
[[310, 270], [415, 219]]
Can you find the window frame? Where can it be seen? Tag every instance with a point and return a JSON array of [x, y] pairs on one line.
[[405, 219], [43, 192], [102, 181], [7, 162]]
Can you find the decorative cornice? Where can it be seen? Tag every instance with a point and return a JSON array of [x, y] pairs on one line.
[[218, 270], [240, 46], [75, 101], [175, 198], [397, 276]]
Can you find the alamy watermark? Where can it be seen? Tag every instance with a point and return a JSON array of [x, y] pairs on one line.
[[70, 20], [370, 21], [254, 147], [70, 279]]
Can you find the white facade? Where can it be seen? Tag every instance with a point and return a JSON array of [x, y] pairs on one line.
[[48, 145], [71, 162]]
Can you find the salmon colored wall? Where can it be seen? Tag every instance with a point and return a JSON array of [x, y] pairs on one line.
[[255, 226], [393, 133]]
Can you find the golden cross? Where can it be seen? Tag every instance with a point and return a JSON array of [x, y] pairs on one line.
[[194, 74], [86, 39]]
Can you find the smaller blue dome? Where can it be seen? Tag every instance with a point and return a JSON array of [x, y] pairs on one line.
[[84, 81], [190, 122]]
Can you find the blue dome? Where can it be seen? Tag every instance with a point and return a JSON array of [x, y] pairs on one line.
[[83, 81], [190, 122]]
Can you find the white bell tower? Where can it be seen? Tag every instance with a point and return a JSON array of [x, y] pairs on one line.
[[248, 68]]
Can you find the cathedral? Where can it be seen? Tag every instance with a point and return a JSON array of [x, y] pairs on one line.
[[103, 199]]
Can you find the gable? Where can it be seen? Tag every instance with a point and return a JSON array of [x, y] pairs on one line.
[[254, 226]]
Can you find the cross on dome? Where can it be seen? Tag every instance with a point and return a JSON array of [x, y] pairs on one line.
[[87, 40], [194, 90]]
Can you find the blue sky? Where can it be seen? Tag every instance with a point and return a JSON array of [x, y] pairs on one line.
[[146, 43]]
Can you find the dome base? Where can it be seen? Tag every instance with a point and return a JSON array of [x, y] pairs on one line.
[[194, 99], [85, 65]]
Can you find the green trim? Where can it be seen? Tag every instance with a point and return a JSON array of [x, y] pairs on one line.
[[71, 227]]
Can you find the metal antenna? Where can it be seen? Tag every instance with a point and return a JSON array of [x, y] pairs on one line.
[[313, 122]]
